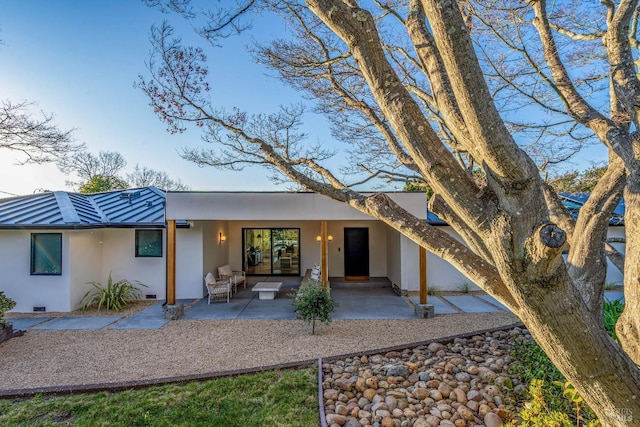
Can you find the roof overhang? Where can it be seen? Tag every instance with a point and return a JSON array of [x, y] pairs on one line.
[[276, 206]]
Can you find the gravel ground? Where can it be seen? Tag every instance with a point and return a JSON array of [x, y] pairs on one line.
[[185, 347]]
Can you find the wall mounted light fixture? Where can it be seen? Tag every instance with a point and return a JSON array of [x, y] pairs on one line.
[[221, 237], [329, 238]]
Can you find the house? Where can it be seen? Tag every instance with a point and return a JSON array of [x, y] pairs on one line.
[[52, 244]]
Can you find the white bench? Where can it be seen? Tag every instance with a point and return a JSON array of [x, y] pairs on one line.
[[267, 290]]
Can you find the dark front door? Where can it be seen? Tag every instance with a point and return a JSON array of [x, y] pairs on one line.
[[356, 253]]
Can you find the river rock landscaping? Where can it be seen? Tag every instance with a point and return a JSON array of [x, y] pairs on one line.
[[464, 383]]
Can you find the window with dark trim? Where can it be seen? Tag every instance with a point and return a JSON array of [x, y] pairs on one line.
[[149, 243], [46, 254]]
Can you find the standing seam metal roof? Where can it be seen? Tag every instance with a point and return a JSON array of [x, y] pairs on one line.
[[140, 207]]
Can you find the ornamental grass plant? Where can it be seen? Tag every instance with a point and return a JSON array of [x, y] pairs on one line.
[[113, 296]]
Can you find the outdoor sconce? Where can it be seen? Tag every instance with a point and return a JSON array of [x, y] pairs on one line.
[[222, 237], [329, 238]]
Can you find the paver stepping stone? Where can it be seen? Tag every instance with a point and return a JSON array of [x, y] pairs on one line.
[[439, 306], [469, 304], [61, 323], [24, 323], [492, 300]]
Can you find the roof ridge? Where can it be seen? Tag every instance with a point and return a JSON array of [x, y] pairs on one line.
[[103, 217], [67, 209]]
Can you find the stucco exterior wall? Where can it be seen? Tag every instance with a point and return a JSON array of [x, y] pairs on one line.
[[17, 282], [410, 255], [613, 274], [85, 253], [119, 259], [443, 275], [189, 259], [394, 256]]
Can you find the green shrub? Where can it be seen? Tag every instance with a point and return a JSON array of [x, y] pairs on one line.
[[6, 304], [548, 388], [114, 296], [612, 311], [314, 303]]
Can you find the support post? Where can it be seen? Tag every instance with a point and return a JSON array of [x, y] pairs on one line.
[[171, 310], [171, 262], [424, 310], [324, 264], [423, 275]]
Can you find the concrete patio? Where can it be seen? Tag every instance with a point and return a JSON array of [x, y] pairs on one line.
[[357, 301]]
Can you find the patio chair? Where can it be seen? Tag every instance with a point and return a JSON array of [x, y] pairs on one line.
[[238, 277], [217, 288]]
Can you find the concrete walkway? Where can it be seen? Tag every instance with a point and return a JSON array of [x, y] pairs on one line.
[[355, 303]]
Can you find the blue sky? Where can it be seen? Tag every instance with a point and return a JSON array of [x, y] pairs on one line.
[[78, 59]]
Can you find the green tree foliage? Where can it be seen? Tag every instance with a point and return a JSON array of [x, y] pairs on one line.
[[314, 303], [100, 183], [577, 182]]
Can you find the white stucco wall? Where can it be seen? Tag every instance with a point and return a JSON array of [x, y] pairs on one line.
[[613, 274], [442, 274], [394, 256], [119, 259], [17, 282], [85, 253], [275, 206], [410, 254], [189, 262]]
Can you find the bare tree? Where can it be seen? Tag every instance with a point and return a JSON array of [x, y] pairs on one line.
[[144, 177], [418, 85], [103, 172], [87, 165], [36, 137]]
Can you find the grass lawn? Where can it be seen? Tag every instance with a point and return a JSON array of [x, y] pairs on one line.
[[274, 398]]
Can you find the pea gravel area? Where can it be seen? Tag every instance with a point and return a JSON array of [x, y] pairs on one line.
[[58, 358]]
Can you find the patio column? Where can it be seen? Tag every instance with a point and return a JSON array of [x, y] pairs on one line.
[[324, 265], [170, 310], [423, 310], [423, 275], [171, 262]]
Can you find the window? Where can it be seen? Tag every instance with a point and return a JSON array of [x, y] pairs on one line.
[[272, 251], [148, 243], [46, 254]]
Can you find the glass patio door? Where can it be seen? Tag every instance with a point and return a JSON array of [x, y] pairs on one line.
[[272, 251]]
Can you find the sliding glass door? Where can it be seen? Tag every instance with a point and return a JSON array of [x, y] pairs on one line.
[[272, 251]]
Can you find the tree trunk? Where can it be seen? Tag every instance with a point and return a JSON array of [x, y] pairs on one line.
[[606, 378], [628, 327]]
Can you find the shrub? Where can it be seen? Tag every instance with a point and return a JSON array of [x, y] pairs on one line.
[[548, 389], [6, 304], [314, 303], [114, 296]]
